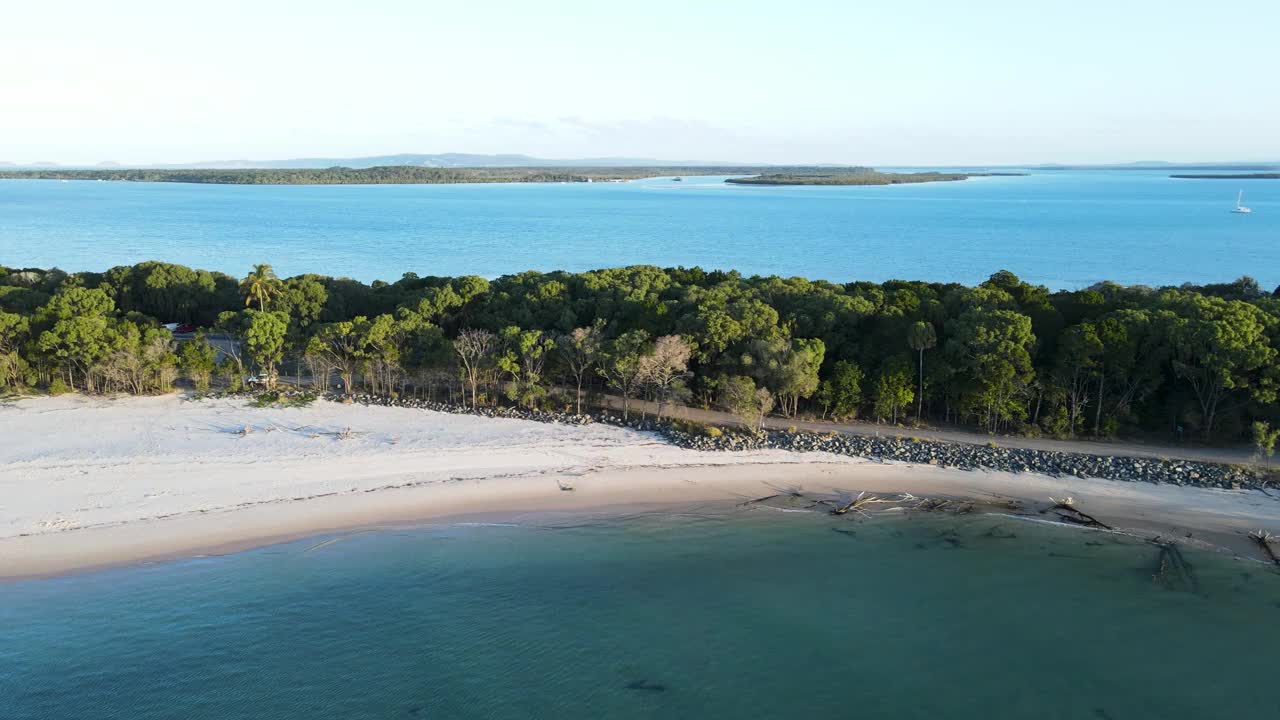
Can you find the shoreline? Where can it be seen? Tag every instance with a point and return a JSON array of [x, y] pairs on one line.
[[1206, 519], [149, 480]]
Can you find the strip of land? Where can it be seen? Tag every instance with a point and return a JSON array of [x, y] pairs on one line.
[[1229, 176], [398, 174], [865, 176], [413, 175], [91, 482]]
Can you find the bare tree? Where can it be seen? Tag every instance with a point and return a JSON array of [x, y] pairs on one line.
[[663, 367], [319, 367], [474, 348], [580, 351]]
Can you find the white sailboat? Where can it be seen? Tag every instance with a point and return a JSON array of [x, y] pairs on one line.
[[1241, 208]]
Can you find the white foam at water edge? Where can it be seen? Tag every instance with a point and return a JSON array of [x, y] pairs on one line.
[[486, 524]]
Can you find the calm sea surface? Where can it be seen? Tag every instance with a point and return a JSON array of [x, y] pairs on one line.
[[736, 614], [1064, 229]]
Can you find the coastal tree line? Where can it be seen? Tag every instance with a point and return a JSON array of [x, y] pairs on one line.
[[1002, 356]]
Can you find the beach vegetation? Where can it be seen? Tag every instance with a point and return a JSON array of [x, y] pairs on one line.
[[276, 398], [894, 391], [1264, 441], [1007, 356], [230, 375], [841, 392], [741, 396], [198, 360]]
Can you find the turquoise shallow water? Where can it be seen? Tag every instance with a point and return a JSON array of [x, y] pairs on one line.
[[700, 615], [1063, 229]]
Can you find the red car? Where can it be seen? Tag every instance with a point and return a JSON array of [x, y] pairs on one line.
[[181, 329]]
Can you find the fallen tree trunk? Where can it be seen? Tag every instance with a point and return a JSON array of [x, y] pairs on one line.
[[1068, 512]]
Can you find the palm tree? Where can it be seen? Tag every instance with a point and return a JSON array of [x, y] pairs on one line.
[[921, 337], [261, 285]]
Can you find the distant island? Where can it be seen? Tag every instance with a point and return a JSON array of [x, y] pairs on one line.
[[420, 175], [432, 160], [858, 176], [1236, 176], [396, 175], [1171, 166]]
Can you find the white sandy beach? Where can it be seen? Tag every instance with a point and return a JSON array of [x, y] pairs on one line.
[[87, 482]]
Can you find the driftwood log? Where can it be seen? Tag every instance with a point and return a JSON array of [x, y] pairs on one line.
[[1068, 512], [1172, 569], [759, 500], [857, 504], [1265, 540]]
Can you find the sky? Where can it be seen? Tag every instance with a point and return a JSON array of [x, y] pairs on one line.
[[886, 83]]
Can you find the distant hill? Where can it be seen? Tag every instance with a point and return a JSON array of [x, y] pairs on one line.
[[438, 160]]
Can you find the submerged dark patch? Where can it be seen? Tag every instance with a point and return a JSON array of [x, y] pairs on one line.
[[646, 686]]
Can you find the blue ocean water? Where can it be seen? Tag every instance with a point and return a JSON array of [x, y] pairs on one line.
[[1066, 229], [708, 614]]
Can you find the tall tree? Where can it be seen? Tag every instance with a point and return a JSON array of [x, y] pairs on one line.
[[920, 337], [1222, 347], [524, 358], [580, 352], [620, 365], [338, 346], [797, 373], [664, 367], [261, 285], [844, 389], [1079, 350], [80, 332], [264, 341], [14, 330], [893, 390], [475, 349], [993, 348], [1135, 354]]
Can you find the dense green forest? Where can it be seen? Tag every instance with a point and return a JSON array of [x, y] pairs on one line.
[[1005, 356], [396, 175]]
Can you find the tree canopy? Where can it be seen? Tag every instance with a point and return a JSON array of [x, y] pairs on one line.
[[1004, 355]]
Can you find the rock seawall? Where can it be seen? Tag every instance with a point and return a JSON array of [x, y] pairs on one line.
[[964, 456]]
